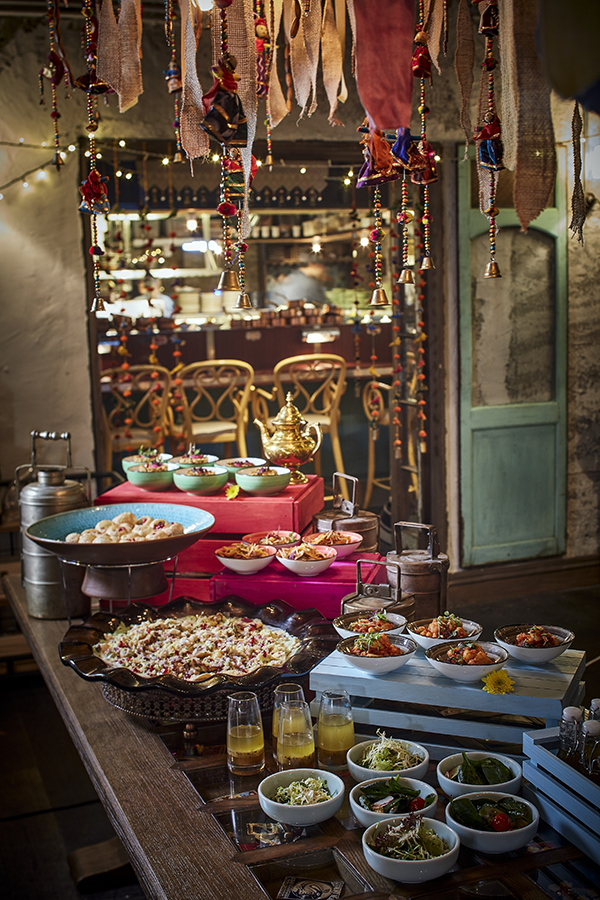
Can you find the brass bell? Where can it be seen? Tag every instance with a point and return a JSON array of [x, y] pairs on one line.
[[178, 157], [98, 305], [426, 263], [492, 270], [406, 277], [243, 301], [379, 298], [229, 281], [268, 160]]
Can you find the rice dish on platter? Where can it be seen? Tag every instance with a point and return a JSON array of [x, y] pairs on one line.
[[191, 647]]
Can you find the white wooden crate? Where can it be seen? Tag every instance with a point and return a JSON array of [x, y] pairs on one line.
[[539, 692], [566, 799]]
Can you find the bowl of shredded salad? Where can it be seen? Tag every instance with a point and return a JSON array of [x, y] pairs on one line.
[[411, 849], [301, 797], [387, 756]]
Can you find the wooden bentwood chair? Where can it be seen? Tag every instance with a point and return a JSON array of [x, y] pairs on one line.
[[215, 399], [137, 416], [317, 382]]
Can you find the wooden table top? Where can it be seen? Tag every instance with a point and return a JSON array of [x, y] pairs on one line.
[[175, 843]]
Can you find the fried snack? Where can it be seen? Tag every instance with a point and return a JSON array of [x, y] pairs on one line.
[[242, 551], [376, 645], [304, 552], [277, 538], [331, 538], [126, 528], [446, 626], [536, 636], [468, 654]]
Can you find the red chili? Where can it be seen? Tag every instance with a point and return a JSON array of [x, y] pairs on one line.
[[501, 822], [417, 804]]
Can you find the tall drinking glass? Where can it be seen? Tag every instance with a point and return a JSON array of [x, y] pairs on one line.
[[295, 738], [335, 729], [245, 738], [283, 692]]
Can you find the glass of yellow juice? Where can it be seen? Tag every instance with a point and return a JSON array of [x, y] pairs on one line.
[[295, 738], [335, 730], [245, 738], [283, 692]]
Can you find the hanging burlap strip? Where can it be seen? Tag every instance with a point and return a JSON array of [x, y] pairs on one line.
[[578, 198], [463, 66], [340, 24], [130, 36], [509, 101], [331, 54], [275, 98], [535, 169], [109, 47], [305, 49], [384, 43], [434, 26], [352, 17], [193, 140]]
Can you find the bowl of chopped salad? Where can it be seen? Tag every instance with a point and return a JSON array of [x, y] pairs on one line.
[[306, 560], [473, 770], [380, 799], [411, 849], [200, 481], [387, 757], [376, 622], [274, 538], [377, 653], [245, 559], [466, 660], [534, 644], [301, 796], [492, 822], [449, 627]]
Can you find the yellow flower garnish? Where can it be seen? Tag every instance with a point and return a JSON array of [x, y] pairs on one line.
[[498, 682], [231, 491]]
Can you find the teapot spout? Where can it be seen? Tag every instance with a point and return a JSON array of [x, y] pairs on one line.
[[264, 431]]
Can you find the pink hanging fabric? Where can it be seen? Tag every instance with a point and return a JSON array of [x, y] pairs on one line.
[[384, 43]]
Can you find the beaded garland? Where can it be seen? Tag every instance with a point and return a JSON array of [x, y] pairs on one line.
[[173, 77]]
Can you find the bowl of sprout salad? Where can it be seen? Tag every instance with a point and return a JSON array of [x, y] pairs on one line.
[[387, 756], [301, 796], [411, 849]]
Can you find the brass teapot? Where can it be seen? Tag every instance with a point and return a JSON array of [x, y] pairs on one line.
[[290, 441]]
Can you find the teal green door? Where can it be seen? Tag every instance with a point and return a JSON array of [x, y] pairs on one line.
[[513, 381]]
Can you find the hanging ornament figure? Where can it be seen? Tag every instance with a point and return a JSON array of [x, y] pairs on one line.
[[94, 194], [490, 143], [262, 50], [225, 119]]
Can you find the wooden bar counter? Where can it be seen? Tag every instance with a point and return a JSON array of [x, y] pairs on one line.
[[173, 836]]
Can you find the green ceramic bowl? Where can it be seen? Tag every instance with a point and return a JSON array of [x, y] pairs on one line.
[[204, 459], [152, 481], [135, 460], [251, 481], [247, 461], [200, 485]]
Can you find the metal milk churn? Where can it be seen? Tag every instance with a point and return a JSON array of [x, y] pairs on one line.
[[424, 573], [346, 516], [368, 597], [51, 493]]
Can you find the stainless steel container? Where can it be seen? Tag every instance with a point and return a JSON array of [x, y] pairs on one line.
[[423, 573], [346, 516], [41, 574], [368, 597]]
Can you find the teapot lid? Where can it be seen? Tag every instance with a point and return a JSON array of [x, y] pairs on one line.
[[289, 414]]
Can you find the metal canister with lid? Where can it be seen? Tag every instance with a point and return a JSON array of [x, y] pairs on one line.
[[346, 516], [368, 597], [43, 577], [423, 573]]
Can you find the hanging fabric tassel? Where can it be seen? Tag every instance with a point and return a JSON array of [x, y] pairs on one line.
[[577, 200], [331, 54], [463, 66], [194, 141], [130, 37], [276, 101], [109, 47]]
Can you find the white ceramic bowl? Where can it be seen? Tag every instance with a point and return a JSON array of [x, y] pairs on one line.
[[300, 815], [305, 567], [341, 622], [247, 566], [379, 665], [256, 538], [362, 773], [473, 630], [412, 871], [342, 549], [494, 841], [457, 789], [466, 673], [535, 656], [367, 817]]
